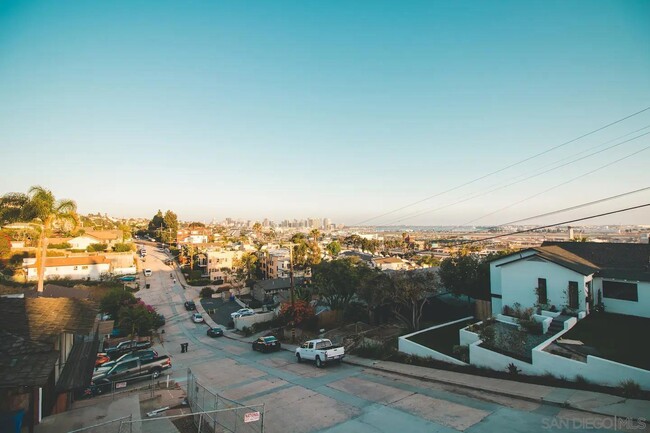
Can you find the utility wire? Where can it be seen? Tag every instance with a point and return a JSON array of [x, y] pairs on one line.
[[552, 225], [559, 185], [507, 167], [580, 206], [497, 188]]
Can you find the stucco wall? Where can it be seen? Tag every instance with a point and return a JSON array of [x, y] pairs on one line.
[[639, 308], [405, 345], [519, 280], [241, 322]]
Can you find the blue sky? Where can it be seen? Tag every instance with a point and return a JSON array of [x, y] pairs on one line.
[[339, 109]]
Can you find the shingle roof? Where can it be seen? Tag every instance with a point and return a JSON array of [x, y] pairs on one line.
[[607, 260], [24, 362], [278, 284], [43, 319]]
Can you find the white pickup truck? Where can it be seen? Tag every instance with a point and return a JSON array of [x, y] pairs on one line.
[[322, 351]]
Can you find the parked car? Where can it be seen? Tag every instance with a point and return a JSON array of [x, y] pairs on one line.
[[197, 318], [190, 305], [215, 332], [138, 354], [127, 346], [266, 344], [321, 351], [147, 272], [130, 370], [242, 312]]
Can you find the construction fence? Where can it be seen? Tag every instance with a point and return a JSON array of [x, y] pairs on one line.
[[214, 413]]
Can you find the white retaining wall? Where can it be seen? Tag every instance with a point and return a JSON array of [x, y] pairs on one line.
[[405, 345], [595, 369], [241, 322]]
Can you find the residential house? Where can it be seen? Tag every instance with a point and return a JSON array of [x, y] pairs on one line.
[[389, 263], [266, 290], [197, 235], [576, 276], [75, 268], [90, 237], [47, 354]]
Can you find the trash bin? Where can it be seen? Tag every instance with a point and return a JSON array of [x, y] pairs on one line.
[[148, 286]]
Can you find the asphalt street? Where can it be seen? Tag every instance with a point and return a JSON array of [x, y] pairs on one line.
[[339, 398]]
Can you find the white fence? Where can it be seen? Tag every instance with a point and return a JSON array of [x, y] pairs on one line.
[[248, 321], [412, 348]]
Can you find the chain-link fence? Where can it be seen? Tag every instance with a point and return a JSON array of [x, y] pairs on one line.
[[119, 425], [215, 414]]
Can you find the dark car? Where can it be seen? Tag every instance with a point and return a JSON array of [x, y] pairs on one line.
[[266, 344], [190, 305], [215, 332]]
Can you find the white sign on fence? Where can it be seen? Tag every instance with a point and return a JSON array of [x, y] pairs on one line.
[[251, 416], [120, 385]]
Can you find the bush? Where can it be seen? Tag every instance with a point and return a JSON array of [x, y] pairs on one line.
[[461, 352], [630, 388], [207, 292], [532, 326], [122, 248], [247, 331], [61, 246], [97, 247]]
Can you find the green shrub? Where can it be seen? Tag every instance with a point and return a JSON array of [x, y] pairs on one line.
[[247, 331], [61, 246], [207, 292], [461, 352], [97, 247], [513, 369], [122, 248]]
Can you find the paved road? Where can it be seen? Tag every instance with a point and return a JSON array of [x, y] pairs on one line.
[[340, 398]]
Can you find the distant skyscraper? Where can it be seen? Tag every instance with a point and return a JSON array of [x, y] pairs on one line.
[[326, 223]]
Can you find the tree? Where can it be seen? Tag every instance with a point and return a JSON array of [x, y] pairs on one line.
[[97, 247], [245, 266], [156, 222], [257, 229], [333, 248], [409, 290], [138, 318], [315, 234], [336, 282], [5, 244], [170, 226], [373, 288], [466, 274], [303, 311], [114, 300], [44, 210]]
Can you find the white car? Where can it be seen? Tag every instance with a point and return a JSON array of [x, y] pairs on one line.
[[147, 272], [197, 318], [242, 312]]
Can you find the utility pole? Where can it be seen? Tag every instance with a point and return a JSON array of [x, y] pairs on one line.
[[293, 295]]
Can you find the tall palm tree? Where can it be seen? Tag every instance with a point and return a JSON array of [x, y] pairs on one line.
[[45, 211]]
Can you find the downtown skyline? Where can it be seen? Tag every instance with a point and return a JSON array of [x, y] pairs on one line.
[[284, 110]]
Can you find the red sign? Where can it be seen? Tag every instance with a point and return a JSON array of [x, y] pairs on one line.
[[251, 416], [120, 385]]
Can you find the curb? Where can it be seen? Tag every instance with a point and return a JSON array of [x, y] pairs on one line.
[[564, 405]]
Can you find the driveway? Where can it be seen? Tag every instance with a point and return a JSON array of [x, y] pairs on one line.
[[222, 310]]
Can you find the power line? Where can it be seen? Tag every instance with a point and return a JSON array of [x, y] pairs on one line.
[[499, 187], [507, 167], [553, 225], [559, 185], [580, 206]]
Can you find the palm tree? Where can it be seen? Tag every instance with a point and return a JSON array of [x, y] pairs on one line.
[[315, 234], [45, 211]]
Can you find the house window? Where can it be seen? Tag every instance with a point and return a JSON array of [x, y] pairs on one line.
[[573, 294], [619, 290], [76, 268], [84, 267], [541, 291]]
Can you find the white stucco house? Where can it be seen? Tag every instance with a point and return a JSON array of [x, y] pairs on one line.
[[575, 276], [389, 264], [75, 268]]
